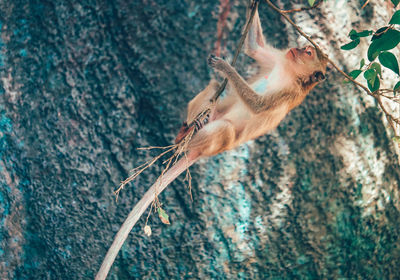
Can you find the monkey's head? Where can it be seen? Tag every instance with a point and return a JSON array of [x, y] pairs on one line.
[[308, 64]]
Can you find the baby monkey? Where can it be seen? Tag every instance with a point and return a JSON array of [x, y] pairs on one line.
[[254, 107], [250, 109]]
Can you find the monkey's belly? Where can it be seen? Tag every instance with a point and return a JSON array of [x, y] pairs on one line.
[[261, 124], [260, 86]]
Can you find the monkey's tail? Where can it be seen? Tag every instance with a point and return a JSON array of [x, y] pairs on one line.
[[137, 212]]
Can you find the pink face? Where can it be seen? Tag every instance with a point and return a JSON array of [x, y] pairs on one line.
[[304, 54]]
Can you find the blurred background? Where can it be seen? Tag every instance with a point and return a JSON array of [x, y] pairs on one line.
[[86, 83]]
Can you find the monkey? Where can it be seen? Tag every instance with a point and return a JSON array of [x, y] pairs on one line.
[[250, 109]]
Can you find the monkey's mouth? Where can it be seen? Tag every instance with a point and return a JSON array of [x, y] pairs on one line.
[[292, 52]]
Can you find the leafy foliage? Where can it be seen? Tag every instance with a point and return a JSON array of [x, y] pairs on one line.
[[383, 39], [387, 41]]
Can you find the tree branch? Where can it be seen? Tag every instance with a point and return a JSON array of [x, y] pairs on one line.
[[375, 94], [318, 3]]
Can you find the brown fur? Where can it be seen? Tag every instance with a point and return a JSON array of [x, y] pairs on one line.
[[245, 114]]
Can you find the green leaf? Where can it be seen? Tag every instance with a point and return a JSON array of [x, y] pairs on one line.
[[163, 216], [374, 86], [364, 33], [386, 41], [379, 32], [355, 73], [395, 2], [396, 139], [388, 60], [311, 2], [397, 87], [351, 45], [362, 63], [395, 18], [371, 76], [354, 34], [377, 68]]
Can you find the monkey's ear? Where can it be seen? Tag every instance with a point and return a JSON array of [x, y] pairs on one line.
[[317, 76]]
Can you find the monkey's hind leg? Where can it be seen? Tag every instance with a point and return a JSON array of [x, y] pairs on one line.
[[213, 138], [199, 104], [201, 101]]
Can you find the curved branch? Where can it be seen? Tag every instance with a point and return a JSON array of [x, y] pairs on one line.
[[294, 25], [388, 116], [375, 95]]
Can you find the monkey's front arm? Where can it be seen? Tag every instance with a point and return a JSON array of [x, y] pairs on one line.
[[255, 102], [256, 46]]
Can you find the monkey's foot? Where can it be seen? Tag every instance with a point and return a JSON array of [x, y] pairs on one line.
[[215, 62], [185, 130]]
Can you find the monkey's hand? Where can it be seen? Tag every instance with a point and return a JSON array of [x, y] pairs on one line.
[[217, 63]]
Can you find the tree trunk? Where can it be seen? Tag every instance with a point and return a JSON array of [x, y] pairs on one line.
[[84, 84]]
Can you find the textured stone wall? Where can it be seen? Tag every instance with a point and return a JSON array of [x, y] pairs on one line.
[[85, 83]]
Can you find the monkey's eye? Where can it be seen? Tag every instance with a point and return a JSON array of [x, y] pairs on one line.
[[309, 52]]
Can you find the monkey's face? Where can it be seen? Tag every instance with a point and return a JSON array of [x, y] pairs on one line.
[[302, 56], [305, 62]]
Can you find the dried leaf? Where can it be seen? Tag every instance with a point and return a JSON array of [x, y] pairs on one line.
[[163, 216], [147, 230]]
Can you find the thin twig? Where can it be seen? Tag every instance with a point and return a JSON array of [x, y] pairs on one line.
[[383, 31], [349, 78], [156, 147], [188, 177], [138, 170], [294, 25], [318, 3], [365, 4]]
